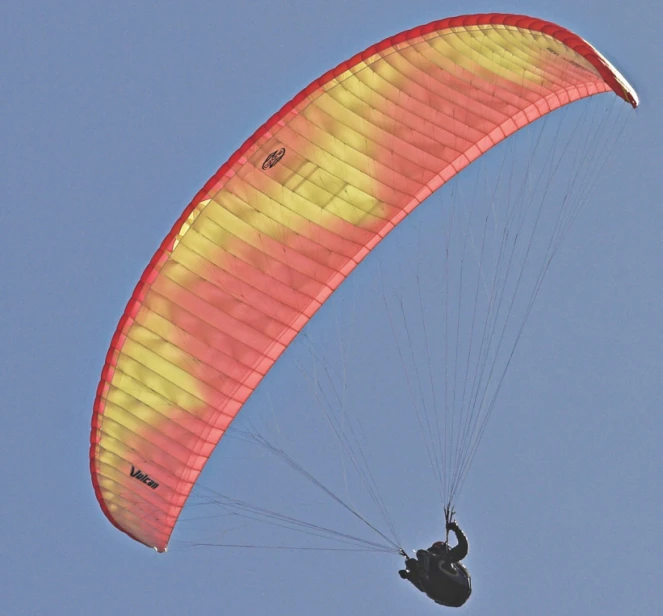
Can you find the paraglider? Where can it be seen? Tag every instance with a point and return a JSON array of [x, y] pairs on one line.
[[283, 223], [437, 571]]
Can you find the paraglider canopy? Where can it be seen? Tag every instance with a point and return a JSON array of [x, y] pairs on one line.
[[287, 218]]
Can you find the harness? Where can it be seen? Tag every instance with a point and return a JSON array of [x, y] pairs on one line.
[[448, 580]]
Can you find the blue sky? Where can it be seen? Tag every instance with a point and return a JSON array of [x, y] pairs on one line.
[[113, 116]]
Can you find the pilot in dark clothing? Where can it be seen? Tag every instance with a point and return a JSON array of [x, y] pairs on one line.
[[437, 571]]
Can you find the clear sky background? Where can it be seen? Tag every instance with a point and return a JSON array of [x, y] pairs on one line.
[[112, 116]]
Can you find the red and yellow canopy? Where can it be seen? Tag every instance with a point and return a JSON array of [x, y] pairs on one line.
[[288, 217]]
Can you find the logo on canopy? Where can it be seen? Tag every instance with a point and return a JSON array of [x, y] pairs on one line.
[[273, 159]]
